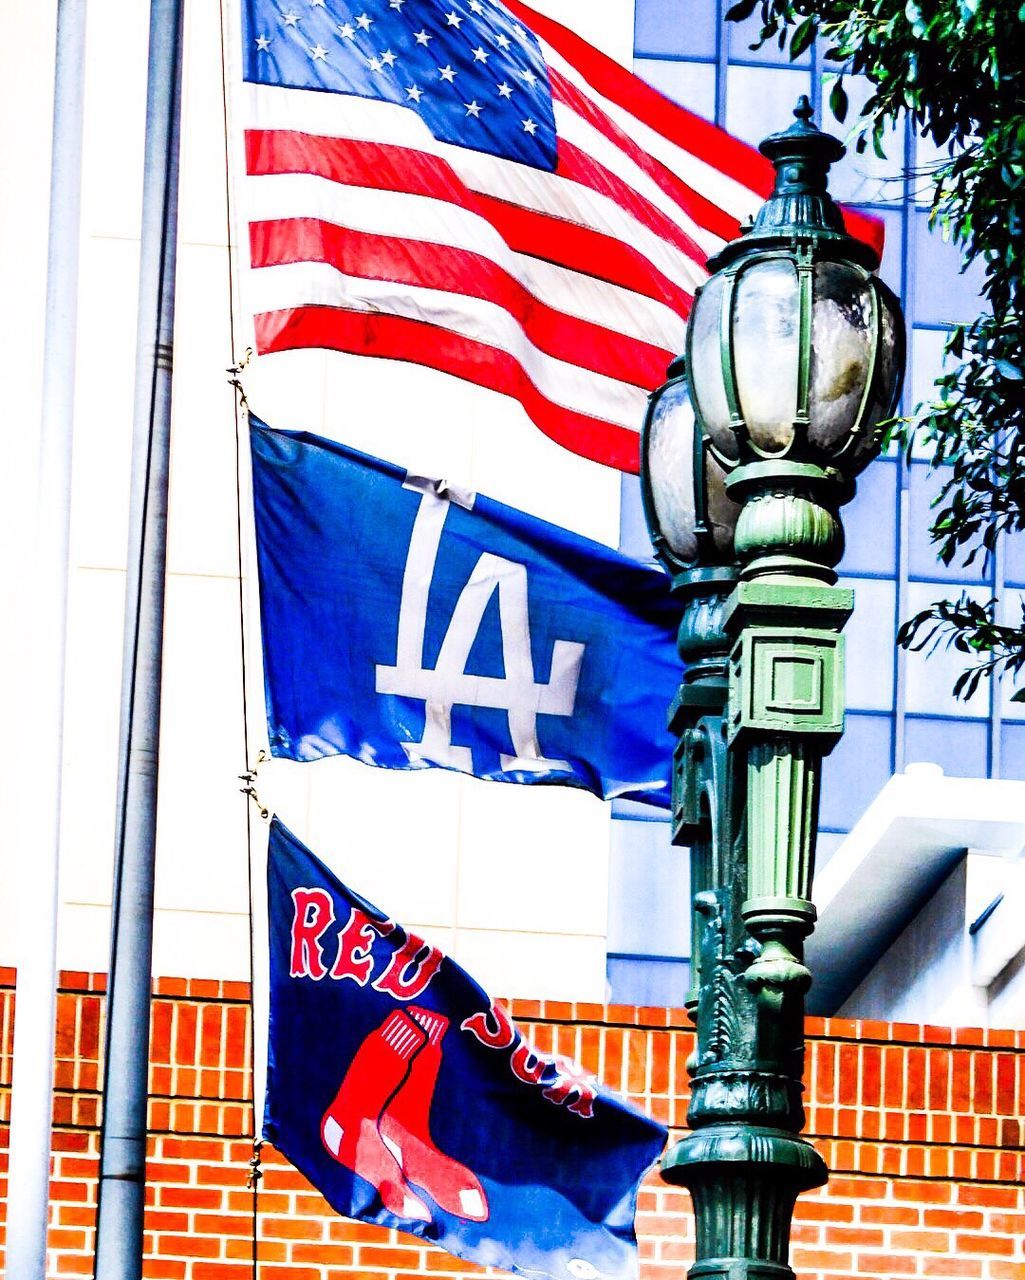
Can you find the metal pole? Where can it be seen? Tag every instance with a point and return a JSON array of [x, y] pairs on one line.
[[32, 1083], [125, 1087]]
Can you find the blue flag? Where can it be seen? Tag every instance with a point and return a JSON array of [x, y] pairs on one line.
[[410, 1099], [407, 623]]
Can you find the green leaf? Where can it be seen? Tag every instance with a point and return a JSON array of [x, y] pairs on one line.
[[741, 10], [1019, 694], [803, 37], [838, 101], [1011, 372]]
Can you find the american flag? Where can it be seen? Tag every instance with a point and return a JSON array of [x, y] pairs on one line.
[[468, 185]]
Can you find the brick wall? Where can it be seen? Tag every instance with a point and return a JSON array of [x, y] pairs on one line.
[[921, 1127]]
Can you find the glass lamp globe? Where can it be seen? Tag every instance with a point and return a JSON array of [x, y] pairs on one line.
[[795, 347], [690, 518]]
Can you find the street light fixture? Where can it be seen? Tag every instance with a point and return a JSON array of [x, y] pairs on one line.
[[795, 353]]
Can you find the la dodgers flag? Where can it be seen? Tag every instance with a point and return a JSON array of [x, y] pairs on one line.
[[410, 1099], [467, 185], [409, 624]]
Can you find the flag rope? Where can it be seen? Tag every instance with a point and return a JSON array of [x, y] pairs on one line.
[[255, 1173]]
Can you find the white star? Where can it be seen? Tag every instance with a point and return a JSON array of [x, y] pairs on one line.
[[530, 78], [364, 22], [290, 19], [504, 90], [519, 31], [347, 30], [396, 5], [262, 43], [480, 55], [415, 93], [472, 109], [315, 4], [453, 19], [318, 53], [476, 6], [502, 41], [447, 73], [388, 58], [374, 64], [530, 127], [423, 38]]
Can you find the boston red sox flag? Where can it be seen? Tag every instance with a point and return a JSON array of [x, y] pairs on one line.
[[467, 185], [410, 1099]]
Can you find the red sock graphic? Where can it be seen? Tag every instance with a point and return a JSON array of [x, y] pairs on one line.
[[405, 1126], [349, 1129]]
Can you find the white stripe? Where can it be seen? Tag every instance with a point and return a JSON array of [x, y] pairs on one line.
[[396, 213], [576, 129], [719, 188], [337, 115], [316, 284]]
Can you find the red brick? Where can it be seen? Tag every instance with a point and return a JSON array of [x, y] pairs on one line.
[[985, 1244], [886, 1264]]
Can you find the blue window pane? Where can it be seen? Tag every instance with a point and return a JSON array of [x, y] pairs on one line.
[[691, 84], [649, 891], [871, 656], [1012, 752], [856, 771], [1014, 558], [760, 100], [932, 673], [633, 529], [870, 521], [661, 28], [891, 269], [648, 983], [863, 178], [959, 747], [924, 484], [942, 294], [744, 34]]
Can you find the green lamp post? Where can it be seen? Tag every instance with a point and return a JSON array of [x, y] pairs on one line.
[[795, 353]]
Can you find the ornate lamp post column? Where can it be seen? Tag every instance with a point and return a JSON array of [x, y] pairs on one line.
[[795, 353]]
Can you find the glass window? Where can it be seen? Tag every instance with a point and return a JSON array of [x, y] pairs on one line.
[[1012, 752], [1014, 558], [661, 28], [943, 295], [891, 269], [870, 521], [931, 675], [742, 35], [924, 484], [871, 654], [691, 84], [760, 100], [959, 747], [649, 891], [864, 178], [856, 771], [648, 983]]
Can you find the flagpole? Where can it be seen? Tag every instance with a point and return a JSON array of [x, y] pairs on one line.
[[125, 1087], [36, 983]]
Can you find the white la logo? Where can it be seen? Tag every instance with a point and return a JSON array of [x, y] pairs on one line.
[[517, 692]]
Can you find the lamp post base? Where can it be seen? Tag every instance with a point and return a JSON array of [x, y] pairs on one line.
[[744, 1181]]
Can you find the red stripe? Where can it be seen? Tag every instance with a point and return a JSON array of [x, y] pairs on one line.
[[396, 338], [687, 131], [699, 209], [683, 128], [434, 266], [578, 166], [385, 167]]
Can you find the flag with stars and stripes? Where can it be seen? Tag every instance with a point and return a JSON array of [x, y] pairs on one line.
[[468, 185]]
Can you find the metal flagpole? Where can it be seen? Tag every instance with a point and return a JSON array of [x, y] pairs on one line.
[[125, 1085], [32, 1082]]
